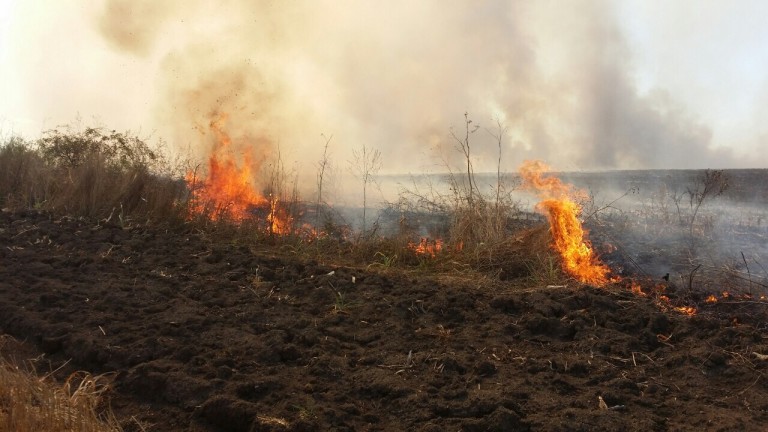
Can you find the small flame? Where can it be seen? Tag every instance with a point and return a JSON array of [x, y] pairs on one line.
[[686, 310], [665, 303], [569, 237], [637, 289], [427, 247], [279, 220], [711, 299]]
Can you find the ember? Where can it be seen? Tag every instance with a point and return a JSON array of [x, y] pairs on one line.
[[687, 310]]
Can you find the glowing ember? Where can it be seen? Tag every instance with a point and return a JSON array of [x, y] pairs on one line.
[[711, 299], [687, 310], [569, 237]]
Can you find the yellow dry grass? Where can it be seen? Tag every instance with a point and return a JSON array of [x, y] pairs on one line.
[[29, 403]]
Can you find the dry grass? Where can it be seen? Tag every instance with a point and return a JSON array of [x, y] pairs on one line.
[[29, 403], [91, 173]]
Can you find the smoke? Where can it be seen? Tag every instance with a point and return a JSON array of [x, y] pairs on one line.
[[398, 75], [134, 26]]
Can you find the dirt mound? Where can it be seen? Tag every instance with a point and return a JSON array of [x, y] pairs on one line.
[[208, 336]]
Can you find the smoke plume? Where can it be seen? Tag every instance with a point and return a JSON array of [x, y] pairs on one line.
[[397, 75]]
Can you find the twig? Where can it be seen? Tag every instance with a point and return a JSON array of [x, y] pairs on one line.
[[750, 386], [748, 273], [25, 231], [690, 278]]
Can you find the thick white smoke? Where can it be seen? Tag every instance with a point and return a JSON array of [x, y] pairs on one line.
[[394, 75]]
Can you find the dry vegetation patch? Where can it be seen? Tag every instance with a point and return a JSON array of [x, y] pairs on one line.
[[33, 403]]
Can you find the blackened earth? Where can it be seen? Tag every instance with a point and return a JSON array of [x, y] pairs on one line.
[[203, 335]]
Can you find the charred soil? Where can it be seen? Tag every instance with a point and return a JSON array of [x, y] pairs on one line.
[[203, 335]]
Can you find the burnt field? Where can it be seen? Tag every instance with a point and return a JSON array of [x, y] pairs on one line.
[[205, 334]]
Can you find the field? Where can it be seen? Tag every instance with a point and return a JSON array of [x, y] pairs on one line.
[[123, 278], [207, 336]]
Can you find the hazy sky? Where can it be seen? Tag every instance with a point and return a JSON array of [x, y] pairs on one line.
[[580, 84]]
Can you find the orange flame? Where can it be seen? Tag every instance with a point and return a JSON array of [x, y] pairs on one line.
[[279, 220], [711, 299], [427, 247], [637, 289], [686, 310], [568, 235], [227, 189], [228, 185]]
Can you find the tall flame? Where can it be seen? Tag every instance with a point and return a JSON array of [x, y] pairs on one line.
[[568, 235], [227, 188]]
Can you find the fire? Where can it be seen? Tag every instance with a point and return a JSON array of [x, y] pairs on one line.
[[431, 248], [427, 247], [725, 295], [686, 310], [278, 219], [637, 289], [227, 190], [569, 237]]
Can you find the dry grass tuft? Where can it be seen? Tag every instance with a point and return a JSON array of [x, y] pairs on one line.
[[29, 403]]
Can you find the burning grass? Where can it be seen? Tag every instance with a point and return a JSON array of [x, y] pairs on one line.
[[477, 238], [110, 177], [568, 235]]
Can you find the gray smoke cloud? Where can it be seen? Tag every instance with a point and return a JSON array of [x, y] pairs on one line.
[[397, 75], [133, 26]]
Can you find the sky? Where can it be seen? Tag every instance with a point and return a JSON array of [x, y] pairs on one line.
[[582, 85]]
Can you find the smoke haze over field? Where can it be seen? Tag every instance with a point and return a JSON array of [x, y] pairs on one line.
[[563, 77]]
